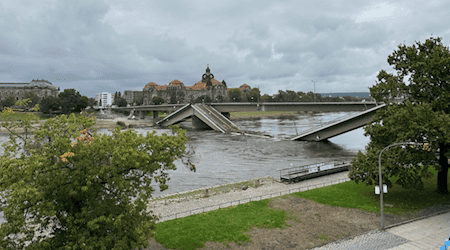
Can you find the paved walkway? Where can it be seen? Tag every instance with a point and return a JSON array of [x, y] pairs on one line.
[[429, 233]]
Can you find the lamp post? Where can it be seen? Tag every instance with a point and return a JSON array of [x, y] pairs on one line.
[[314, 90], [380, 177]]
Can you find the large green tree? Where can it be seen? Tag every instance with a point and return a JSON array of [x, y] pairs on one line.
[[91, 190], [235, 95], [8, 101], [254, 95], [49, 104], [423, 118], [72, 101], [34, 99]]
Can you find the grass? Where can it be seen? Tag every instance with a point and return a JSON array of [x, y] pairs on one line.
[[230, 224], [160, 114], [20, 116], [352, 195], [223, 225]]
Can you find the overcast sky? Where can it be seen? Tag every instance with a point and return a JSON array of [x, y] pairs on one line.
[[108, 46]]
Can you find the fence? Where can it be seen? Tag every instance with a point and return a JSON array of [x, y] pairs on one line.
[[300, 189]]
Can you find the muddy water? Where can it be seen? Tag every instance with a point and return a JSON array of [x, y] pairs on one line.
[[223, 158]]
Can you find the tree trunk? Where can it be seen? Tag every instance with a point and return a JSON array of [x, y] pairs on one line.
[[442, 187]]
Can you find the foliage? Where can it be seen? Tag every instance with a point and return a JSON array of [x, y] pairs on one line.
[[8, 101], [254, 95], [50, 104], [203, 99], [235, 95], [422, 118], [122, 124], [91, 102], [34, 99], [158, 100], [266, 98], [121, 102], [92, 190], [72, 101]]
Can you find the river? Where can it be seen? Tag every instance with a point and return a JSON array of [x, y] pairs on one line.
[[223, 158]]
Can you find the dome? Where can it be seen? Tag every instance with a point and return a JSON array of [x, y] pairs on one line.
[[149, 85], [176, 83]]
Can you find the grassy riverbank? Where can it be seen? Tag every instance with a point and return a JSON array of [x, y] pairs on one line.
[[232, 224]]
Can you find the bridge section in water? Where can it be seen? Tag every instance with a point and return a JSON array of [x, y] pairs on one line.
[[339, 126], [203, 116]]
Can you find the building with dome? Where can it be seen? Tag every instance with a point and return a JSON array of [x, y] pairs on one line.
[[177, 92], [41, 88]]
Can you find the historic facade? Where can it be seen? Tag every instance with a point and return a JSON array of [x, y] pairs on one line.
[[176, 90], [42, 88]]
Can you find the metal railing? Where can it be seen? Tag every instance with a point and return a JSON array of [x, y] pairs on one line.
[[306, 168], [299, 189]]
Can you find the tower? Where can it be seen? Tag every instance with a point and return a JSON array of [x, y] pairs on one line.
[[207, 75]]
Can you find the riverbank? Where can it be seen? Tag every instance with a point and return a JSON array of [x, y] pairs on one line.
[[111, 123]]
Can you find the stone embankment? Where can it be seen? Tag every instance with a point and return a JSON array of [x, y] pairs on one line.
[[183, 204]]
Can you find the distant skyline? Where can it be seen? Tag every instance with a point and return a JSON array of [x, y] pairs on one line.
[[108, 46]]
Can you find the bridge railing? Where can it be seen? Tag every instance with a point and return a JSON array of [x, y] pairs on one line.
[[243, 201]]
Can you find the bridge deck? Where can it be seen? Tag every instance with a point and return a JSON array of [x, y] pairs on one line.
[[296, 174], [339, 126]]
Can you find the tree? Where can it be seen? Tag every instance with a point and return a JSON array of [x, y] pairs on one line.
[[422, 118], [235, 95], [266, 98], [49, 104], [92, 190], [34, 99], [72, 101], [157, 100], [91, 102], [8, 102], [121, 102], [254, 95]]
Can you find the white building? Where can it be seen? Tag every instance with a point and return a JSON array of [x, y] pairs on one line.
[[105, 99]]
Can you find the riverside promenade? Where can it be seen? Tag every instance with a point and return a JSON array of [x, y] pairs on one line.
[[427, 232]]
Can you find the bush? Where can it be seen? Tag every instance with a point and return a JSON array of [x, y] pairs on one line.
[[122, 124]]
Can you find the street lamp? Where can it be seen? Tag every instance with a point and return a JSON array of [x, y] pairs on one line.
[[381, 180], [314, 90]]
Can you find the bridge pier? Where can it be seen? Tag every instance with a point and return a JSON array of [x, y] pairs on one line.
[[155, 113]]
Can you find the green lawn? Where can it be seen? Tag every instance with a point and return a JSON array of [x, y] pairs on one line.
[[19, 116], [229, 224]]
